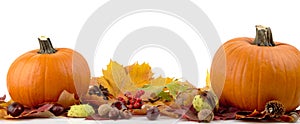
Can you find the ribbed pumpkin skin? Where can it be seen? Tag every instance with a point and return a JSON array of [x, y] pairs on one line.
[[35, 78], [247, 76]]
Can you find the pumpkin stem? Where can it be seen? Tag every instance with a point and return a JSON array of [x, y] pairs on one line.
[[45, 46], [263, 36]]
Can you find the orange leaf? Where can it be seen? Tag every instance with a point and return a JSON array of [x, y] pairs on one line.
[[3, 113], [67, 99], [140, 74]]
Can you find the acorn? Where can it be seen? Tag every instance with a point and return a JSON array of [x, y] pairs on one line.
[[205, 115], [104, 109]]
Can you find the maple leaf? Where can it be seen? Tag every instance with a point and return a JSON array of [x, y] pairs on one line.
[[111, 87], [160, 81], [140, 74], [118, 80]]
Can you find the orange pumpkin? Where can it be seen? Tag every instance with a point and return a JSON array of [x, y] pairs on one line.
[[41, 75], [248, 72]]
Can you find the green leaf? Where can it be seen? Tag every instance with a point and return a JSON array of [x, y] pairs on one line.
[[152, 89], [165, 96], [176, 86]]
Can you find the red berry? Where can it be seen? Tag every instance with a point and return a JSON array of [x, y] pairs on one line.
[[129, 97], [132, 101], [139, 100], [120, 98], [137, 105], [142, 92], [139, 93], [129, 106], [123, 101]]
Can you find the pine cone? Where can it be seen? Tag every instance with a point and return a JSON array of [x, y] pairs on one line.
[[99, 91], [274, 109]]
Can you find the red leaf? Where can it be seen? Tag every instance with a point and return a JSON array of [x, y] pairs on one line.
[[225, 113], [42, 111], [191, 115]]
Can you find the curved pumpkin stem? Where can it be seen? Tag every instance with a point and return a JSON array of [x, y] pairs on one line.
[[263, 36], [45, 46]]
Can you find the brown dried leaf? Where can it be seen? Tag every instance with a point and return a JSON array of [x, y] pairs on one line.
[[2, 99], [142, 111], [45, 114], [93, 100], [67, 99], [168, 111], [225, 113], [190, 114], [247, 115], [259, 116]]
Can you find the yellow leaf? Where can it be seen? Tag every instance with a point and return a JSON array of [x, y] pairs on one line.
[[3, 113], [140, 74], [208, 84], [67, 99], [112, 88], [118, 79], [5, 104], [160, 81]]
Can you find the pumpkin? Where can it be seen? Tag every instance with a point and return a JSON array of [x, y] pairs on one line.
[[248, 72], [40, 76]]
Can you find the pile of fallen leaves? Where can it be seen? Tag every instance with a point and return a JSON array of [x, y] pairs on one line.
[[160, 91], [173, 97]]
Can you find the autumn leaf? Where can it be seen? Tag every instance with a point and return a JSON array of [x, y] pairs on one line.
[[112, 88], [118, 79], [2, 99], [140, 74], [176, 87], [165, 96], [93, 100], [42, 111], [3, 113], [67, 99], [160, 81], [208, 84]]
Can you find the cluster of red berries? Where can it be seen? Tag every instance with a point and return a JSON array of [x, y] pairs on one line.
[[133, 101]]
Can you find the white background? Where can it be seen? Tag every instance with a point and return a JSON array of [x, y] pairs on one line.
[[21, 22]]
